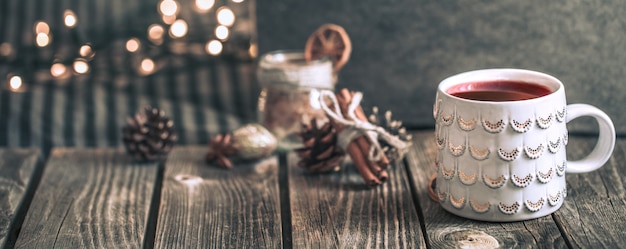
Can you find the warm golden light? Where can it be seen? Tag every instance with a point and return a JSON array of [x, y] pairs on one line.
[[42, 27], [253, 51], [81, 66], [178, 29], [214, 47], [6, 49], [169, 19], [168, 7], [147, 66], [58, 70], [225, 16], [15, 83], [204, 5], [132, 45], [42, 40], [221, 32], [155, 33], [69, 18], [86, 51]]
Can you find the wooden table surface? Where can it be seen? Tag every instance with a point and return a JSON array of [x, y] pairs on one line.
[[99, 198]]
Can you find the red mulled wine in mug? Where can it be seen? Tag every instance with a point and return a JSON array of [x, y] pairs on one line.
[[499, 90], [502, 156]]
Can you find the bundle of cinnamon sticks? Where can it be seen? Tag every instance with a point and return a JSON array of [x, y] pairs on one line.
[[373, 172]]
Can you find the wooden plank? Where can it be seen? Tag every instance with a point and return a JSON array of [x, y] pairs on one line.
[[337, 210], [18, 169], [204, 206], [90, 198], [594, 211], [446, 230]]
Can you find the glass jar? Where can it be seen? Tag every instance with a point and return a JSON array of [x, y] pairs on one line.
[[290, 95]]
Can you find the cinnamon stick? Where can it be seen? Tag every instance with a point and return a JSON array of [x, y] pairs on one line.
[[360, 114], [365, 147], [360, 162], [358, 158], [383, 175], [360, 146]]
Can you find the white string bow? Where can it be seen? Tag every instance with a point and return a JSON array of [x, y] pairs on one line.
[[355, 126]]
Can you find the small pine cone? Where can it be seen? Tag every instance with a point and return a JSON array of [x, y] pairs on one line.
[[149, 135], [394, 127], [320, 152]]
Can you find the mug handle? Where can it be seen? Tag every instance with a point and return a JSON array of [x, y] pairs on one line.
[[606, 139]]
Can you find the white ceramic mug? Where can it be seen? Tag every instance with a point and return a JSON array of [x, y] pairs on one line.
[[505, 160]]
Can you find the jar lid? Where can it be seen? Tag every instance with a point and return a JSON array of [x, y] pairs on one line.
[[290, 68]]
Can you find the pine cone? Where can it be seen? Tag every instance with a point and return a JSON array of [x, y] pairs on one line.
[[320, 152], [394, 127], [220, 148], [149, 135]]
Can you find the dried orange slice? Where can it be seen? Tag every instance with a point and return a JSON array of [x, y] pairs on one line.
[[329, 40]]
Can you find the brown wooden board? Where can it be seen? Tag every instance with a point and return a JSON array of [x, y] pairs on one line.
[[204, 206], [337, 210], [446, 230], [594, 212], [90, 198], [17, 174]]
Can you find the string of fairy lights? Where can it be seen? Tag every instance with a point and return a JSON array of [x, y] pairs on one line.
[[170, 30]]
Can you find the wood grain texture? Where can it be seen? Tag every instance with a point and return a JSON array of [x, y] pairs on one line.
[[204, 206], [17, 167], [446, 230], [338, 210], [89, 198], [594, 211]]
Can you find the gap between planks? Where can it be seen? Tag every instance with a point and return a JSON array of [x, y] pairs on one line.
[[30, 158]]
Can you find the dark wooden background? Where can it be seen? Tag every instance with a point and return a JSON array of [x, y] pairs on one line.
[[403, 48]]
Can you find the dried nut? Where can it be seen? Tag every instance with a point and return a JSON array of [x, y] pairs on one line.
[[253, 141]]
